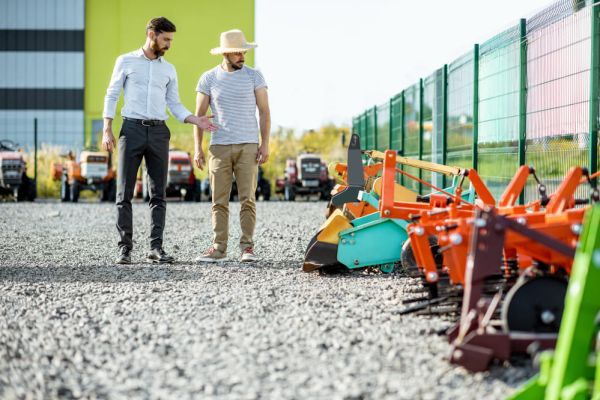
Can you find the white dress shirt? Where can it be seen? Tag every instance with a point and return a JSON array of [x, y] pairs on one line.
[[149, 86]]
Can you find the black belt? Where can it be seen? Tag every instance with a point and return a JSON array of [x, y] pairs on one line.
[[146, 122]]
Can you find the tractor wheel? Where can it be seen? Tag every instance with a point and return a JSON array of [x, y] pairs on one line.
[[266, 192], [109, 191], [75, 190], [189, 194], [65, 189], [197, 197], [27, 190], [289, 193]]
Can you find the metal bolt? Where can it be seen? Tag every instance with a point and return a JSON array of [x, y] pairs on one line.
[[432, 276], [522, 221], [547, 317], [343, 241], [419, 231], [456, 239], [576, 229], [352, 234], [479, 222], [386, 212], [458, 354], [356, 262], [352, 241]]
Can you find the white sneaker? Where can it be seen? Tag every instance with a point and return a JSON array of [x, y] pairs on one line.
[[211, 255], [248, 255]]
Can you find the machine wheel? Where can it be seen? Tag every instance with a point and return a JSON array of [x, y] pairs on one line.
[[65, 189], [534, 305], [75, 190], [407, 256], [289, 193]]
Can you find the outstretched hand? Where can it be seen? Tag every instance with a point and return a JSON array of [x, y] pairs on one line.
[[203, 122]]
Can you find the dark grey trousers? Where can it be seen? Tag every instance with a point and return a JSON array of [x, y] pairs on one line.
[[151, 143]]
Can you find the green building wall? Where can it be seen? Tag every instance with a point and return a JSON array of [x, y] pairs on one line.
[[114, 27]]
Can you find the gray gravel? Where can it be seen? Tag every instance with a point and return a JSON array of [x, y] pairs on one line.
[[73, 325]]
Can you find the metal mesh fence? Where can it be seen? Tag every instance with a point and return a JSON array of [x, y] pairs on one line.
[[497, 146], [411, 132], [529, 95], [558, 93], [371, 128], [383, 126], [428, 125], [459, 139], [396, 123]]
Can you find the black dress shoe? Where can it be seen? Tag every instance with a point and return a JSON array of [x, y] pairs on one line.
[[124, 256], [159, 256]]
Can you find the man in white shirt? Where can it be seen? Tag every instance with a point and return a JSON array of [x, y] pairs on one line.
[[149, 83], [234, 92]]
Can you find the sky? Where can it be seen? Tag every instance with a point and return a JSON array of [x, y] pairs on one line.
[[328, 60]]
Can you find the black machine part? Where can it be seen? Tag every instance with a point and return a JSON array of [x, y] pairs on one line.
[[534, 304]]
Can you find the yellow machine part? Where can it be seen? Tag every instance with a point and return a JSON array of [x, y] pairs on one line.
[[400, 192], [426, 165], [329, 231]]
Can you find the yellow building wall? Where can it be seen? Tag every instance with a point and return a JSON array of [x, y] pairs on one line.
[[115, 27]]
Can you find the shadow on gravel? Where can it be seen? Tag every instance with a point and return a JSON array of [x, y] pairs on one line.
[[145, 272], [139, 272]]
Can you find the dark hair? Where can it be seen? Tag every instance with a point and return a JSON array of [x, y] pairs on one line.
[[160, 24]]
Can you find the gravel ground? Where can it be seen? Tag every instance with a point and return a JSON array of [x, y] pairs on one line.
[[73, 325]]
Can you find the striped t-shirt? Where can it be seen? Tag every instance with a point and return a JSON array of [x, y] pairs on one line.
[[233, 103]]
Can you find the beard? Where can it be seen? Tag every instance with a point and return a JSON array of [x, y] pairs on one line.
[[158, 51], [236, 66]]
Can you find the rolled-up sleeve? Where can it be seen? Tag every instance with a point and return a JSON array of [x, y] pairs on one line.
[[177, 109], [114, 89]]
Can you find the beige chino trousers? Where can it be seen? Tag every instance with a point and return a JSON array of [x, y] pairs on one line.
[[224, 161]]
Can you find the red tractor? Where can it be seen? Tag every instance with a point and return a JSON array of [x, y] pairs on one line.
[[13, 173], [305, 176]]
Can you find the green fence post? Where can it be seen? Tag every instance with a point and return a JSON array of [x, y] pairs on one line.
[[593, 152], [402, 129], [390, 123], [375, 127], [475, 103], [444, 119], [420, 131], [366, 143], [522, 96]]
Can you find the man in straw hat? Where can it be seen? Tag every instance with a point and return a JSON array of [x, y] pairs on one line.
[[233, 91], [149, 83]]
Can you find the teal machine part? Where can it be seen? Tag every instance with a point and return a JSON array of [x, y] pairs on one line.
[[378, 241]]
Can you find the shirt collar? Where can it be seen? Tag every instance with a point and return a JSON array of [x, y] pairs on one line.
[[140, 53]]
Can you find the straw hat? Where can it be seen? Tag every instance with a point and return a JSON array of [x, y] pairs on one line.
[[233, 41]]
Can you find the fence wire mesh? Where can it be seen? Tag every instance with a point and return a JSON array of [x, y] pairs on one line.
[[533, 90]]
